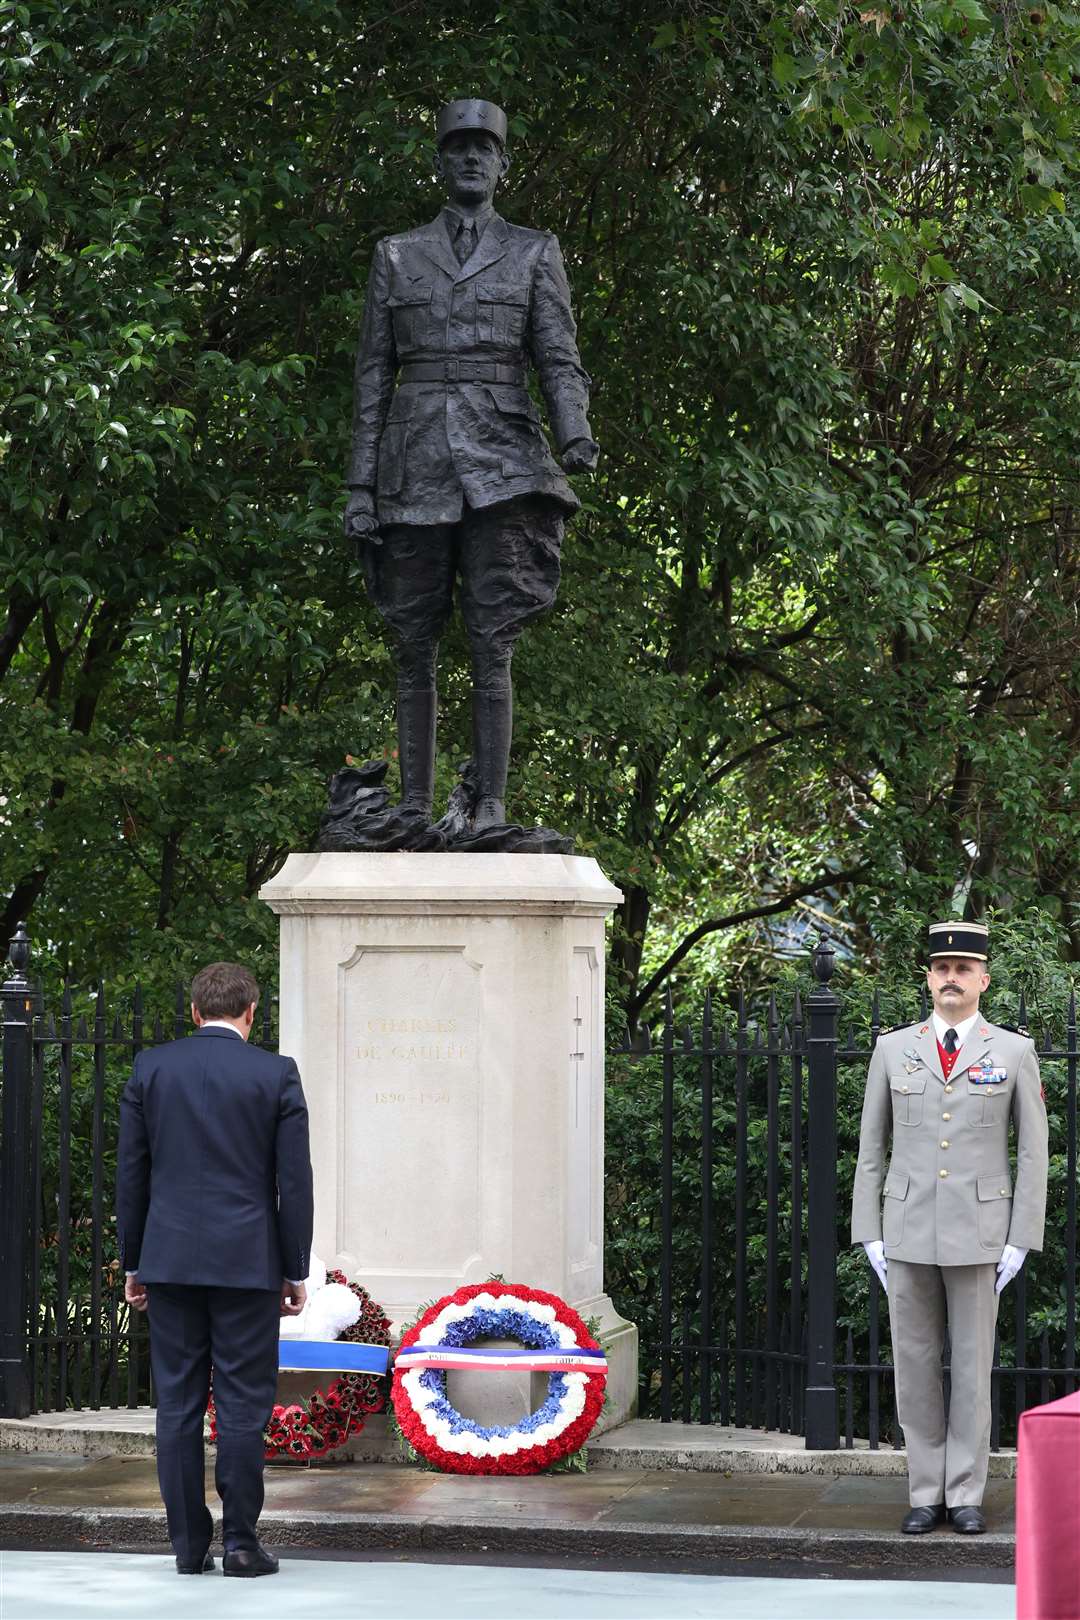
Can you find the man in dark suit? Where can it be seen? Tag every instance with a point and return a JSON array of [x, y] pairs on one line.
[[214, 1215], [450, 473]]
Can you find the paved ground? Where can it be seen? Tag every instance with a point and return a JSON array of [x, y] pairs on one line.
[[616, 1496], [678, 1520], [82, 1586]]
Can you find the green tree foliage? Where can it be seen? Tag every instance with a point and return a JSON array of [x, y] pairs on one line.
[[817, 641]]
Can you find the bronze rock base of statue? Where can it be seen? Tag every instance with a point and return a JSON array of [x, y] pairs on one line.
[[361, 817]]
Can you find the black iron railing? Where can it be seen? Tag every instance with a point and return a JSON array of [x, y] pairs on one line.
[[766, 1317]]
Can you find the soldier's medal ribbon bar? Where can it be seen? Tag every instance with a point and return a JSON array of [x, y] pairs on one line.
[[986, 1073]]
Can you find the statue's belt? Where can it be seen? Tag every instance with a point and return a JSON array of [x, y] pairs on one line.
[[452, 370]]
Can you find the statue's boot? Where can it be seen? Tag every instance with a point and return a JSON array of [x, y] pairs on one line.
[[492, 725], [416, 712]]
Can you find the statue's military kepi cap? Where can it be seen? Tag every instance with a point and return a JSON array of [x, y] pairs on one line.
[[959, 939], [471, 115]]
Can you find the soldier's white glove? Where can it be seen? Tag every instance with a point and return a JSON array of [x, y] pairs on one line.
[[875, 1253], [1009, 1264]]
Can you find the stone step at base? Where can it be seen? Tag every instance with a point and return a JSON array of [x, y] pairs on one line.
[[114, 1529], [641, 1445]]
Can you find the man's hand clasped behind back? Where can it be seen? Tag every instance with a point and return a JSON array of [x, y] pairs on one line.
[[135, 1293], [293, 1297]]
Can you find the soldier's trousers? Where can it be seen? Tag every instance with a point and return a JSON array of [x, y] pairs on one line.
[[947, 1461]]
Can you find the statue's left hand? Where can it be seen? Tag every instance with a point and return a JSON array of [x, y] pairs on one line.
[[580, 456], [361, 522]]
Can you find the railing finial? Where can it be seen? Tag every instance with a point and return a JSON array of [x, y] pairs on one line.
[[19, 950], [823, 959]]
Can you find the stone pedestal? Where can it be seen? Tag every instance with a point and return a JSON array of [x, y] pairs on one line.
[[447, 1015]]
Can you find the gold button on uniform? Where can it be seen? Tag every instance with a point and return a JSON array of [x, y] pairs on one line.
[[905, 1090], [1004, 1191], [948, 1089], [943, 1174], [946, 1116], [945, 1144]]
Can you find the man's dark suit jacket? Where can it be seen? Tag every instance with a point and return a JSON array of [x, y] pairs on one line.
[[213, 1182]]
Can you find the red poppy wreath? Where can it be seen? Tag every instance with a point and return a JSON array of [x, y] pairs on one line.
[[328, 1417]]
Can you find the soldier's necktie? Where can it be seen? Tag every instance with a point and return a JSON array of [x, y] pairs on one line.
[[947, 1049], [465, 241]]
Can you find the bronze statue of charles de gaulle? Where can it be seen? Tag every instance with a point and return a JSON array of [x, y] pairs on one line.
[[452, 481]]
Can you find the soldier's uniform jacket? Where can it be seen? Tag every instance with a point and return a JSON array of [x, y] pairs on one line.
[[945, 1194], [459, 338]]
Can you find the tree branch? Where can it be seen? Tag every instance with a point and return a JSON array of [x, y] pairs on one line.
[[824, 880], [20, 616], [710, 776]]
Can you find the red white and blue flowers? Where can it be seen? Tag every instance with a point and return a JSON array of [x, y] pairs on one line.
[[555, 1340]]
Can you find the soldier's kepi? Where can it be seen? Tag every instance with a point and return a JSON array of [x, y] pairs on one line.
[[452, 480], [942, 1222]]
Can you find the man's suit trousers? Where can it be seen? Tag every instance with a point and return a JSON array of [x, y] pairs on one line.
[[947, 1462], [234, 1333]]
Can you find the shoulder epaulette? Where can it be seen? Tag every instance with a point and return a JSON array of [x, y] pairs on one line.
[[891, 1029], [1016, 1029]]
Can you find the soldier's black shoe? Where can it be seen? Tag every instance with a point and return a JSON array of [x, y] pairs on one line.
[[968, 1521], [918, 1520], [198, 1567], [256, 1562]]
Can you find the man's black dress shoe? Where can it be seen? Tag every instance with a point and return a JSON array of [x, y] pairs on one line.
[[918, 1520], [198, 1568], [968, 1521], [257, 1562]]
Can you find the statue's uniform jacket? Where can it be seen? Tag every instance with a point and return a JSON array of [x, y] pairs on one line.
[[427, 445], [947, 1197]]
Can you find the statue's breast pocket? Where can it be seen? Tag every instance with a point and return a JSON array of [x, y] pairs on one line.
[[409, 312], [501, 309]]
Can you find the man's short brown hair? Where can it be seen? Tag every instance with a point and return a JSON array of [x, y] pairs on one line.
[[224, 990]]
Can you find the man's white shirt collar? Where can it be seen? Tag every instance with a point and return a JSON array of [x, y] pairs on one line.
[[220, 1023], [963, 1029]]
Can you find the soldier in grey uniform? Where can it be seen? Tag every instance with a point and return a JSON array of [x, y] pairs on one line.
[[451, 476], [952, 1228]]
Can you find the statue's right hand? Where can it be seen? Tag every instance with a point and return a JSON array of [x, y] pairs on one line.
[[360, 520]]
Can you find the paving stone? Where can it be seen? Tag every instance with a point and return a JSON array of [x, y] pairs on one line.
[[709, 1499], [114, 1501]]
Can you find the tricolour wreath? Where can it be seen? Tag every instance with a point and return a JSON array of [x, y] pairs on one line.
[[557, 1342], [328, 1417]]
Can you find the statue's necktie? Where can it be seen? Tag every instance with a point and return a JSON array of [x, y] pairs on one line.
[[465, 241]]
